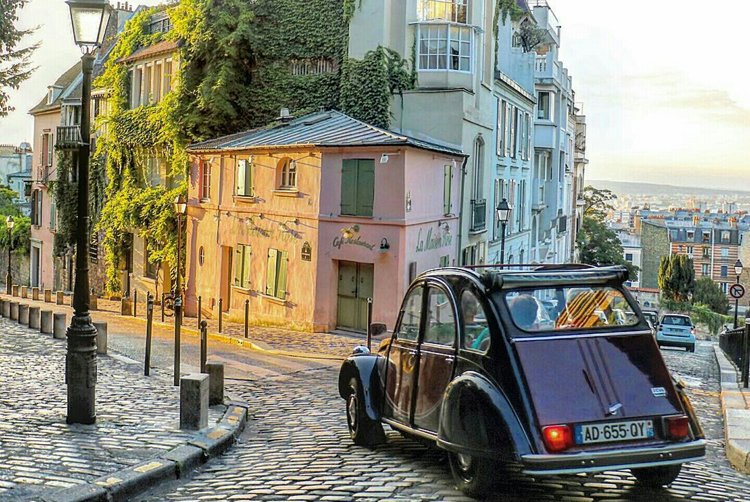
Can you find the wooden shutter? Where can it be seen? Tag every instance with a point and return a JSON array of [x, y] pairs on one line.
[[273, 256], [45, 143], [239, 177], [247, 253], [50, 145], [365, 187], [249, 188], [500, 110], [281, 278], [349, 187], [447, 181], [238, 265]]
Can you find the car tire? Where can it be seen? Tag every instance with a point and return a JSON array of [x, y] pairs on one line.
[[655, 477], [363, 430], [474, 476], [691, 348]]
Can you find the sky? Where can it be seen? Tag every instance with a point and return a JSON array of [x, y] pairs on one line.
[[661, 82]]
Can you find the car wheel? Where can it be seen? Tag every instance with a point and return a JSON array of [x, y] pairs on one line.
[[363, 430], [655, 477], [473, 475], [692, 348]]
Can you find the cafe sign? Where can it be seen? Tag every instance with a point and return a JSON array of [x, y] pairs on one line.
[[432, 241], [352, 241]]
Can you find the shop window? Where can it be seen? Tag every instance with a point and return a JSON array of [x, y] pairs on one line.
[[357, 187], [287, 174], [244, 178], [242, 254], [276, 272]]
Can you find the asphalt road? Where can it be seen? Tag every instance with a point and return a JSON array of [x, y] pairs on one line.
[[297, 447]]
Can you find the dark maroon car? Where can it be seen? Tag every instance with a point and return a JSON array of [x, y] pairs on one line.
[[537, 366]]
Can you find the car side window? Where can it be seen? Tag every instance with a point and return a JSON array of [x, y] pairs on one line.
[[441, 320], [476, 334], [411, 315]]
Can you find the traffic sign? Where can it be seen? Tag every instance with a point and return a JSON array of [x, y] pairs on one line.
[[736, 291]]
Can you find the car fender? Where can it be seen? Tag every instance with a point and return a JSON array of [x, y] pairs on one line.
[[364, 368], [695, 424], [477, 418]]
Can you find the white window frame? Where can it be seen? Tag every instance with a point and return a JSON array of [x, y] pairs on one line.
[[447, 27]]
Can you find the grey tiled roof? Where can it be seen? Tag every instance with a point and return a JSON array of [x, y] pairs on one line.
[[320, 129]]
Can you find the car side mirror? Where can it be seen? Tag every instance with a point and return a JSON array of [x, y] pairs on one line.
[[378, 328]]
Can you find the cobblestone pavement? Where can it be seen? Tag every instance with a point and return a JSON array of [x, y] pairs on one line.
[[297, 448], [137, 417]]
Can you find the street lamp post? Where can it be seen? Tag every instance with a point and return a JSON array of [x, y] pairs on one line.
[[180, 207], [89, 19], [503, 214], [8, 278], [738, 273]]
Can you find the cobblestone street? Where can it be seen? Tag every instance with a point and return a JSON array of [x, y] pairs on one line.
[[137, 417], [297, 447]]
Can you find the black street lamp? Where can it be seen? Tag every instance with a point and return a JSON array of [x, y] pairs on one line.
[[8, 278], [738, 273], [89, 19], [180, 207], [503, 215]]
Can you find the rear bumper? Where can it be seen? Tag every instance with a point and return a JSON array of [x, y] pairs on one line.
[[675, 340], [605, 460]]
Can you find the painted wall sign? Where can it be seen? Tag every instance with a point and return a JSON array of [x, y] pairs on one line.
[[340, 241], [437, 241]]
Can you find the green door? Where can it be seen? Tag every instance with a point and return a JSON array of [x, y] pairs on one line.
[[354, 288]]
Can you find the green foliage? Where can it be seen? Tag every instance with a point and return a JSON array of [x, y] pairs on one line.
[[21, 234], [710, 294], [65, 193], [600, 246], [7, 206], [367, 85], [597, 203], [676, 277], [15, 61], [699, 313], [531, 35]]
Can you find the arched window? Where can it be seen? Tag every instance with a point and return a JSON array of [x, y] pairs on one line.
[[287, 174]]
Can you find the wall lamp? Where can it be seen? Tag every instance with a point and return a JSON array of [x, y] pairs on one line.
[[384, 245], [443, 225], [285, 226], [348, 232]]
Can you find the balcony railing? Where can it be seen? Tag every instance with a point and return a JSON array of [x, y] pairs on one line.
[[68, 137], [478, 215]]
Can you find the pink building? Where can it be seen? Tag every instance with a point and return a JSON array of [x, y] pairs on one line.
[[307, 219]]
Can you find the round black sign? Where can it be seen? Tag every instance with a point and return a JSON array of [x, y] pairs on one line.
[[736, 291]]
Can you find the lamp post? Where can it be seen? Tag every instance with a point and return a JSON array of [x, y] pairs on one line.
[[89, 19], [503, 214], [738, 273], [180, 207], [8, 278]]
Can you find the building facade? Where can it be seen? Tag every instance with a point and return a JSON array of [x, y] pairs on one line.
[[306, 220]]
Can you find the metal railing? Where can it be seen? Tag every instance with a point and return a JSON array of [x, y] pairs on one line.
[[731, 343], [68, 137], [478, 214]]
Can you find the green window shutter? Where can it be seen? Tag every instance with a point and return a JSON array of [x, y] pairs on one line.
[[238, 265], [281, 278], [365, 187], [240, 178], [273, 256], [248, 251], [349, 187], [249, 189], [447, 182]]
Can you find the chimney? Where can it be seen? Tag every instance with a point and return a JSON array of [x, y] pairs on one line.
[[284, 116]]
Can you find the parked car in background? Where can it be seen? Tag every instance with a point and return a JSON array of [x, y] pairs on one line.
[[651, 316], [676, 330], [475, 368]]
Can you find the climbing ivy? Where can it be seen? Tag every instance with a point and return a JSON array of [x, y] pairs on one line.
[[65, 193]]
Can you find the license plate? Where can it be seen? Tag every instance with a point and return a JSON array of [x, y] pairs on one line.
[[614, 431]]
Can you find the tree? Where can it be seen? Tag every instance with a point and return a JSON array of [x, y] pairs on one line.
[[598, 244], [709, 293], [15, 64], [676, 277]]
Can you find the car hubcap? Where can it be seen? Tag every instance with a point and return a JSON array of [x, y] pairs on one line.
[[351, 410]]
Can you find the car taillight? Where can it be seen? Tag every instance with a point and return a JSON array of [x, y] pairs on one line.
[[692, 331], [557, 437], [677, 427]]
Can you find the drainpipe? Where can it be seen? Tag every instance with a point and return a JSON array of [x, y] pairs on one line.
[[461, 212]]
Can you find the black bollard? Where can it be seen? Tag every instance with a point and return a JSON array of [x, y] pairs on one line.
[[221, 309], [199, 312], [369, 322], [163, 295], [247, 314], [135, 302], [149, 325], [204, 345]]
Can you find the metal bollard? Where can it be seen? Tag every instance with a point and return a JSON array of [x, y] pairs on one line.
[[59, 325], [204, 345], [135, 302], [23, 314], [199, 312], [221, 309], [34, 317], [163, 295], [369, 322], [101, 337], [149, 327], [746, 354], [247, 316], [45, 322]]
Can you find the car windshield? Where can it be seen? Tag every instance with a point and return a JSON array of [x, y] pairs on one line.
[[677, 320], [565, 308]]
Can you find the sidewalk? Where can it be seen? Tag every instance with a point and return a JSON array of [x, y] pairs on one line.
[[265, 339], [41, 455], [735, 406]]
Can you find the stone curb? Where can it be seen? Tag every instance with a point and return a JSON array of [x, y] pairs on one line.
[[177, 463], [735, 413]]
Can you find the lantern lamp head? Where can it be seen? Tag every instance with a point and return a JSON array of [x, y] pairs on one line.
[[89, 19]]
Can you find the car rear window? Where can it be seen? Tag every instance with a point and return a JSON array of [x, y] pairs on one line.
[[677, 320], [568, 308]]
